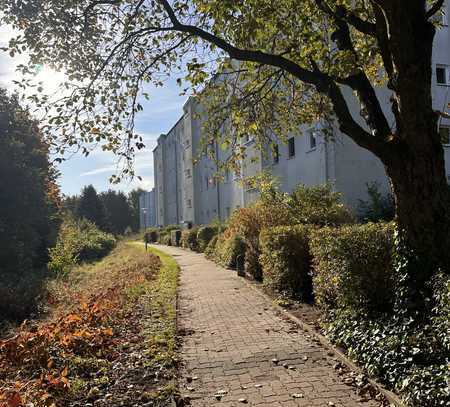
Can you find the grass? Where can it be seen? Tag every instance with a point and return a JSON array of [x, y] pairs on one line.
[[109, 336]]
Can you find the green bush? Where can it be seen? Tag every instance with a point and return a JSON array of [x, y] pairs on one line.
[[20, 294], [248, 223], [164, 238], [189, 239], [211, 248], [175, 237], [378, 207], [151, 235], [286, 260], [204, 236], [352, 267], [78, 241], [318, 205], [228, 247], [410, 356]]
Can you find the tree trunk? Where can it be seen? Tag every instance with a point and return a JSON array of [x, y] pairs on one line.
[[415, 159], [422, 208]]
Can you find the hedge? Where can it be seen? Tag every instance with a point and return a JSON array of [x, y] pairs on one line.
[[204, 236], [211, 248], [151, 235], [175, 237], [286, 260], [249, 221], [228, 248], [165, 239], [353, 267], [189, 239]]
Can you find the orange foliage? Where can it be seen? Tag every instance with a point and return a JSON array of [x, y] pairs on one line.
[[34, 360]]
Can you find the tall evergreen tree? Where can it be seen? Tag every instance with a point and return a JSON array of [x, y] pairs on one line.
[[118, 212], [91, 207], [133, 199], [29, 209]]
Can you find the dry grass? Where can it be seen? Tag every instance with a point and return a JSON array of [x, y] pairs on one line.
[[94, 311]]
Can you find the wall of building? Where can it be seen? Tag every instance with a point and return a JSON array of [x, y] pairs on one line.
[[147, 209]]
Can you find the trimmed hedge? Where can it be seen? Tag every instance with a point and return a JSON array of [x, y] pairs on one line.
[[248, 223], [151, 235], [175, 237], [286, 260], [353, 267], [165, 239], [211, 248], [189, 239], [228, 248], [204, 236]]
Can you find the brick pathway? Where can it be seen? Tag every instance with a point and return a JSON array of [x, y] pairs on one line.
[[233, 335]]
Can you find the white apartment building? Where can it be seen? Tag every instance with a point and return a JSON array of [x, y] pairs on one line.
[[147, 211], [187, 193]]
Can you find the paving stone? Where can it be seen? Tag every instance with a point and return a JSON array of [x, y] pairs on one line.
[[242, 333]]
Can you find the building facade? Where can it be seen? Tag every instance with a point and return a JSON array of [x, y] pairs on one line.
[[190, 194], [147, 211]]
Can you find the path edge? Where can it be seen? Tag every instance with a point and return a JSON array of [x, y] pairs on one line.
[[390, 396]]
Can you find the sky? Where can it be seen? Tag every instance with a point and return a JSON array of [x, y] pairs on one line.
[[160, 113]]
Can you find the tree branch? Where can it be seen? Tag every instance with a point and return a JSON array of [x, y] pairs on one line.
[[323, 83], [342, 13], [434, 8]]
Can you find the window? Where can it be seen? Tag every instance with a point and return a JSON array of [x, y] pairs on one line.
[[207, 182], [188, 173], [276, 154], [227, 176], [445, 134], [312, 140], [189, 203], [291, 147], [443, 75], [228, 211]]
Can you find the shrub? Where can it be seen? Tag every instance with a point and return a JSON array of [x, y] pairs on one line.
[[378, 207], [78, 240], [410, 356], [352, 267], [175, 237], [165, 239], [204, 236], [151, 235], [169, 228], [228, 247], [248, 223], [318, 205], [286, 261], [211, 248], [20, 294], [189, 239]]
